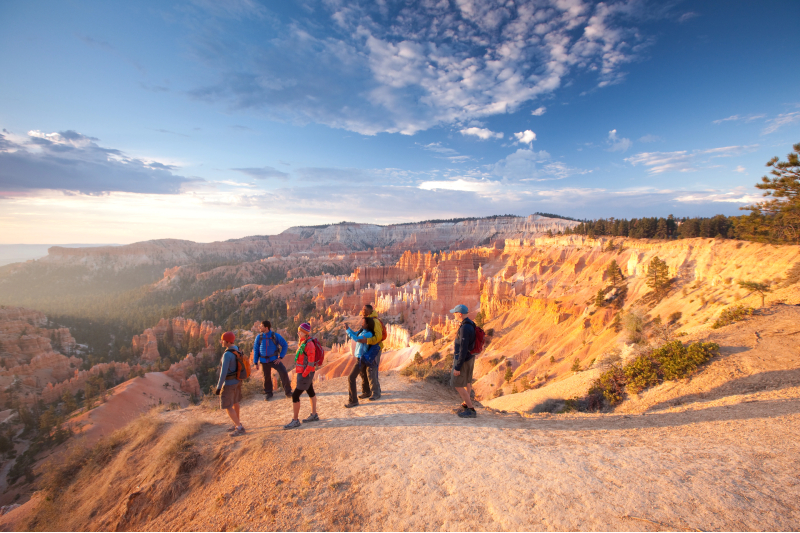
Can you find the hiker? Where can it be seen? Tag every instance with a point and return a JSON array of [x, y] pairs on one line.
[[463, 361], [305, 360], [229, 388], [366, 332], [269, 349], [372, 389]]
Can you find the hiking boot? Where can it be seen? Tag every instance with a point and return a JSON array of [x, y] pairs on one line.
[[293, 424], [313, 417], [468, 413], [268, 397], [364, 396], [458, 409], [373, 398], [231, 429], [238, 432], [351, 404]]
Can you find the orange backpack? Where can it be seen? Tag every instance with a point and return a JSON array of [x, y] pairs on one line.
[[243, 370]]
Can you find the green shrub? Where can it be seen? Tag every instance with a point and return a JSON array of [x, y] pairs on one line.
[[678, 361], [576, 365], [608, 388], [641, 373], [732, 315]]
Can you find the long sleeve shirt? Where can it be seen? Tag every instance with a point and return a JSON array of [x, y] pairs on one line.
[[465, 340], [378, 331], [362, 334], [265, 348], [305, 358], [228, 366]]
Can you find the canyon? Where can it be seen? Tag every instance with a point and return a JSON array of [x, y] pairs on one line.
[[556, 314]]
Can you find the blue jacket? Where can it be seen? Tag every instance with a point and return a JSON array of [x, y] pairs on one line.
[[265, 350], [228, 367], [361, 348], [465, 340]]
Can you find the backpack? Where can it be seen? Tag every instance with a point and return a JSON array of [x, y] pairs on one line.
[[384, 333], [319, 356], [477, 346], [242, 366], [369, 358]]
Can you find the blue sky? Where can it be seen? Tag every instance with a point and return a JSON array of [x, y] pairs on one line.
[[210, 120]]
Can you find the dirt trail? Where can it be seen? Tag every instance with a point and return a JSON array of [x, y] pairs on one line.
[[407, 463]]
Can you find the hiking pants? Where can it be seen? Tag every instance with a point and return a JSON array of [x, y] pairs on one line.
[[369, 378], [276, 365], [372, 372], [358, 370]]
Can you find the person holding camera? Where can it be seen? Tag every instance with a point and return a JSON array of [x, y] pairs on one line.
[[367, 331]]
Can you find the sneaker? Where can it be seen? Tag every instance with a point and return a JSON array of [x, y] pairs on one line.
[[313, 417], [231, 429], [293, 424], [468, 413], [364, 396], [268, 397], [238, 432], [457, 410], [351, 404], [373, 398]]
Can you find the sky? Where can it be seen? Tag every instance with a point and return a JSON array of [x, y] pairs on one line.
[[209, 120]]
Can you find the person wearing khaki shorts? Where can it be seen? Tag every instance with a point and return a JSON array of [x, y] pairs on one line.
[[463, 361], [229, 387]]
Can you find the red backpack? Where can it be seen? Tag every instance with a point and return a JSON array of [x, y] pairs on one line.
[[319, 353], [477, 347], [384, 333]]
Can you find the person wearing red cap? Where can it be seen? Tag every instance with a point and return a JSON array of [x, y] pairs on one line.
[[305, 364], [229, 387]]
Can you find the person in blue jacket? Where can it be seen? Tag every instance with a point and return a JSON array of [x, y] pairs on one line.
[[367, 331], [268, 350]]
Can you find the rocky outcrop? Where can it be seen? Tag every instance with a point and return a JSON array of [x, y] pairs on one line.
[[177, 332], [51, 392]]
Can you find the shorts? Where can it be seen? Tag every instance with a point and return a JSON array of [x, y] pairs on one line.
[[303, 383], [465, 377], [230, 395]]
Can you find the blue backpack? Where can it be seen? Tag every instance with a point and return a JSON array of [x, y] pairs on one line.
[[370, 358], [277, 352]]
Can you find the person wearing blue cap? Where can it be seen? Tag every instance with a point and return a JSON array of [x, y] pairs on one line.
[[463, 360]]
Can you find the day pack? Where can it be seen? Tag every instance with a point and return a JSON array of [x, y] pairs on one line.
[[370, 357], [242, 366], [477, 347], [319, 358], [265, 340], [384, 333]]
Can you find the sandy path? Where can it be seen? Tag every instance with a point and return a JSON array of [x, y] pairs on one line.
[[407, 463]]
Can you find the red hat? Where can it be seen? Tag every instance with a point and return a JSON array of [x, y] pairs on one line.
[[228, 336]]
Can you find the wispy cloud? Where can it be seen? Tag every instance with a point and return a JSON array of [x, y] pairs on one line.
[[263, 173], [744, 118], [684, 161], [482, 133], [617, 144], [689, 15], [650, 138], [539, 111], [781, 120]]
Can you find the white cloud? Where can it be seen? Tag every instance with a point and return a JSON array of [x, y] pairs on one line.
[[432, 63], [438, 148], [482, 133], [734, 118], [539, 111], [525, 137], [684, 161], [461, 184], [741, 169], [739, 195], [618, 144], [687, 16], [781, 120]]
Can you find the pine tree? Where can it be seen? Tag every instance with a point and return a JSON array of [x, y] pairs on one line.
[[777, 219], [509, 373], [661, 229], [614, 273], [658, 276], [761, 288]]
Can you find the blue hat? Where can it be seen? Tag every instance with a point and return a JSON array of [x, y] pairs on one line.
[[461, 308]]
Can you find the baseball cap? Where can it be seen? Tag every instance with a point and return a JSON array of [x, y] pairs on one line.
[[460, 308]]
